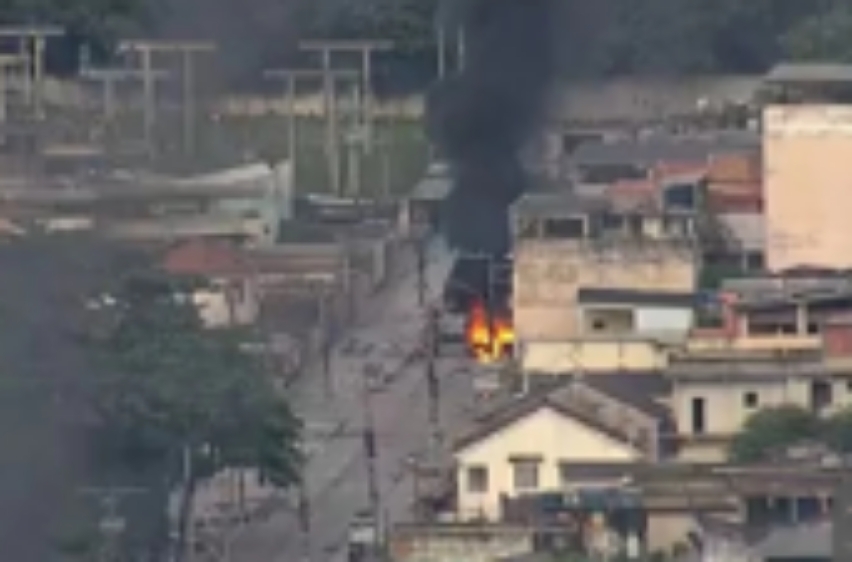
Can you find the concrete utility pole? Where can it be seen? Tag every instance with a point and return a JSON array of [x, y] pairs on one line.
[[31, 44], [441, 40], [8, 63], [355, 143], [370, 449], [366, 48], [432, 344], [188, 50], [109, 79], [291, 78], [325, 344], [422, 286], [462, 48]]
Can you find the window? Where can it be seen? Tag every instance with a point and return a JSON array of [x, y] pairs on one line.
[[565, 476], [821, 395], [754, 261], [477, 479], [565, 228], [751, 400], [699, 422], [525, 474]]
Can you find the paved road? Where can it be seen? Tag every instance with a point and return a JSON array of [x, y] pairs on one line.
[[337, 470]]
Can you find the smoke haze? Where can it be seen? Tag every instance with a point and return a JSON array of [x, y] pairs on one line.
[[482, 118]]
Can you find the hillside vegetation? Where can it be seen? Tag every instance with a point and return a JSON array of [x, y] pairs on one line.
[[605, 37]]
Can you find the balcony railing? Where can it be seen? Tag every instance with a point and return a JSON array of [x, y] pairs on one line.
[[699, 345]]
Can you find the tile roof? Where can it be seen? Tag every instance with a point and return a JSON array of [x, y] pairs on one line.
[[735, 202], [739, 167], [203, 257], [667, 168], [639, 390], [631, 189], [633, 393]]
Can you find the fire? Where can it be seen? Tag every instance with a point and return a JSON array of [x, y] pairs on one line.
[[487, 338]]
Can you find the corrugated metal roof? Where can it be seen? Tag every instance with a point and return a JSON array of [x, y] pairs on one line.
[[810, 72], [747, 228]]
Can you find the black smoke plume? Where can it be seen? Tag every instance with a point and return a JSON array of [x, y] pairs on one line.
[[483, 117]]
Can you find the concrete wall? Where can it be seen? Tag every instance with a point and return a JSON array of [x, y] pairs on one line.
[[547, 435], [738, 344], [647, 99], [459, 543], [806, 149], [667, 529], [548, 274], [590, 356], [623, 99], [664, 321], [234, 304], [628, 99]]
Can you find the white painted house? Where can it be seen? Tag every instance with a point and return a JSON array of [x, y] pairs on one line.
[[535, 443]]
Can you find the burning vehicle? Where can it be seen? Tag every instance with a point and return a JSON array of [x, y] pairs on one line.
[[482, 119], [476, 311], [489, 336]]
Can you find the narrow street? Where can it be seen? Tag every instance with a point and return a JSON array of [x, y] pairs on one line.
[[337, 474]]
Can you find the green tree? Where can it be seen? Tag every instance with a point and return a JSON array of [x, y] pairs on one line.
[[96, 20], [171, 394], [772, 430], [825, 36], [837, 431]]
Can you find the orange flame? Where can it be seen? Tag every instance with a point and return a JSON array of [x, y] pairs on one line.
[[488, 339]]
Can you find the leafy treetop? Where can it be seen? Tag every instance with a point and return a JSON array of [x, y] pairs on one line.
[[165, 385]]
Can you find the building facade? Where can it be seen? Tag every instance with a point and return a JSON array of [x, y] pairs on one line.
[[562, 246], [806, 148], [716, 388], [531, 445]]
